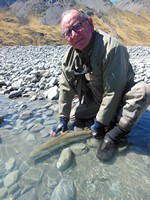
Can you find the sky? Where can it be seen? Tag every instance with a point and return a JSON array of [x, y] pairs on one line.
[[113, 0]]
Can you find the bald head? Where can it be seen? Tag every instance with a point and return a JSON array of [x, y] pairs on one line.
[[77, 28]]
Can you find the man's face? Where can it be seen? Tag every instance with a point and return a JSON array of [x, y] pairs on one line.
[[77, 31]]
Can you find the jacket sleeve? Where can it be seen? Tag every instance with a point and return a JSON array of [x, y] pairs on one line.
[[67, 91], [115, 72]]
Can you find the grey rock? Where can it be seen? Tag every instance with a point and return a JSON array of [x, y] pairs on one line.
[[1, 118], [14, 188], [36, 128], [26, 115], [22, 107], [24, 167], [31, 194], [64, 159], [10, 164], [65, 190], [92, 142], [3, 193], [33, 176], [15, 94], [79, 148], [30, 138], [2, 82], [11, 178]]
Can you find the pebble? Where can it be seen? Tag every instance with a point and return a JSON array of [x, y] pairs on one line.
[[1, 118], [79, 149], [65, 190], [64, 159], [11, 178]]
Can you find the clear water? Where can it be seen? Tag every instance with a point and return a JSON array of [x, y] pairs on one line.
[[127, 177]]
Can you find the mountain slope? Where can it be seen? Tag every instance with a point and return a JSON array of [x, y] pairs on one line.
[[36, 22], [135, 6]]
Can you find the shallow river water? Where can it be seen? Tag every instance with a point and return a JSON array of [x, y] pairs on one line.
[[127, 177]]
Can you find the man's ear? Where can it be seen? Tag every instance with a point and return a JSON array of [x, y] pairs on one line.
[[91, 22]]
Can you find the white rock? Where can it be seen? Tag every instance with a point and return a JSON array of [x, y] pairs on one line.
[[52, 93]]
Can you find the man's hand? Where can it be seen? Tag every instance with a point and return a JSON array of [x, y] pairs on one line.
[[60, 128], [98, 130]]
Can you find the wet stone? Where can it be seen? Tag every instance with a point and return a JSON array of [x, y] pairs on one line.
[[45, 132], [3, 193], [37, 127], [64, 159], [31, 194], [3, 171], [92, 142], [1, 118], [33, 176], [9, 127], [146, 160], [14, 188], [1, 183], [26, 115], [47, 105], [30, 138], [65, 190], [79, 148], [10, 164], [24, 167], [11, 178], [22, 107]]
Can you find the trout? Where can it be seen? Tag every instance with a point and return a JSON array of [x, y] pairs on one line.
[[60, 141]]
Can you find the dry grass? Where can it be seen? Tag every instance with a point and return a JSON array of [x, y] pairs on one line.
[[129, 28]]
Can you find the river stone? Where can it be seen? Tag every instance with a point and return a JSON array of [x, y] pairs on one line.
[[3, 171], [65, 190], [33, 98], [47, 105], [26, 114], [1, 118], [45, 132], [22, 107], [3, 193], [30, 138], [33, 176], [14, 94], [11, 178], [79, 148], [36, 128], [14, 188], [2, 82], [64, 159], [24, 167], [9, 165], [30, 195], [146, 160], [17, 84], [51, 93], [92, 142]]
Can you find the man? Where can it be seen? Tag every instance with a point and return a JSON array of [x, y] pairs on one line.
[[96, 70]]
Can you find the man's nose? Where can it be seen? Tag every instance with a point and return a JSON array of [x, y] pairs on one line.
[[73, 33]]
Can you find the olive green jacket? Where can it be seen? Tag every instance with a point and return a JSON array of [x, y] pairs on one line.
[[110, 74]]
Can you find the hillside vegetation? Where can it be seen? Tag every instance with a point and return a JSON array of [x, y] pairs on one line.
[[129, 28]]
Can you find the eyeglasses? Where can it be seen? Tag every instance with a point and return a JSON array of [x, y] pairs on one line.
[[77, 28]]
